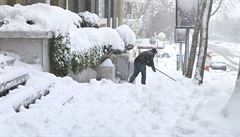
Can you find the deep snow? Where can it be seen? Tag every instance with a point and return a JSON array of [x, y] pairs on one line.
[[162, 108]]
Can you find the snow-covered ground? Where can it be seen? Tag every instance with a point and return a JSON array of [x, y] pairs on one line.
[[161, 108]]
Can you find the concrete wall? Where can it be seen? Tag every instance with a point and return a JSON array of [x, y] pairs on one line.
[[32, 47]]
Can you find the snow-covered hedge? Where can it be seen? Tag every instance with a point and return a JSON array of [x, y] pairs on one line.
[[72, 47], [63, 59], [60, 55], [89, 19]]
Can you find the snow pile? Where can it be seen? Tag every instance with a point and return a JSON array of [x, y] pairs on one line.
[[43, 16], [102, 108], [126, 34]]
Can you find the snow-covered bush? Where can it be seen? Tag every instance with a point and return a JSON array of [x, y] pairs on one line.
[[88, 59], [89, 19], [72, 47], [59, 55], [62, 59]]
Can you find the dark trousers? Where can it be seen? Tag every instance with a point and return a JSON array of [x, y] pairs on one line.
[[139, 68]]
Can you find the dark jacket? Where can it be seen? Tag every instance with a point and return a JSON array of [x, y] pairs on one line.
[[146, 58]]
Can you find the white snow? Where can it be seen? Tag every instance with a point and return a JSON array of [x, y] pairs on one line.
[[60, 21], [104, 108], [126, 34], [85, 38], [90, 17], [45, 17], [107, 63], [15, 72], [162, 107]]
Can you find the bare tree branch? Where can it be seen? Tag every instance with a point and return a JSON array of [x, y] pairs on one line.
[[218, 7]]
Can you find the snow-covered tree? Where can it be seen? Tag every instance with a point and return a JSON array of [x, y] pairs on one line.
[[217, 4], [202, 53]]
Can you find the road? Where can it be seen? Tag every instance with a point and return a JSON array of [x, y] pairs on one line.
[[228, 53]]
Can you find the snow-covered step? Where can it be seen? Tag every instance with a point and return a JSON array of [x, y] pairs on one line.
[[28, 100], [24, 96], [6, 61], [11, 78]]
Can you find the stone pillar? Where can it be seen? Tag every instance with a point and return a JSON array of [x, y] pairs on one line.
[[107, 72], [122, 66]]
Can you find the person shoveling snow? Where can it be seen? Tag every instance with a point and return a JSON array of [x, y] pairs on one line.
[[143, 59]]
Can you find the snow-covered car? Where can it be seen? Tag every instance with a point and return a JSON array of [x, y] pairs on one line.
[[218, 63], [219, 66]]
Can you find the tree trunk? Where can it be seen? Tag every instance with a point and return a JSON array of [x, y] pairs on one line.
[[232, 109], [195, 37], [186, 53], [203, 41]]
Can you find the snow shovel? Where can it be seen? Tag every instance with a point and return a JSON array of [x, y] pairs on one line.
[[166, 75]]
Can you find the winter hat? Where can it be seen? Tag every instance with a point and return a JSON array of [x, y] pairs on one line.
[[154, 51]]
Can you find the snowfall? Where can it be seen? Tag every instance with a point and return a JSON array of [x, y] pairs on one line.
[[161, 108]]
